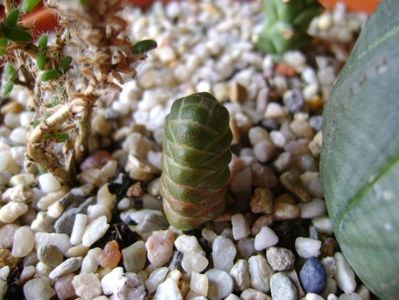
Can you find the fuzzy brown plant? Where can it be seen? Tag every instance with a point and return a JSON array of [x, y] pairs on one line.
[[93, 37]]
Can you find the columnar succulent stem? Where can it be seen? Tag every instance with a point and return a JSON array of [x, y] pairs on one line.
[[286, 24], [195, 160]]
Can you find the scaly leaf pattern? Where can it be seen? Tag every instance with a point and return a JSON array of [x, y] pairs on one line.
[[195, 160]]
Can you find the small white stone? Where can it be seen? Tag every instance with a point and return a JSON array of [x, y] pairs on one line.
[[278, 138], [38, 289], [233, 297], [209, 235], [12, 211], [264, 151], [94, 231], [344, 274], [18, 135], [220, 284], [55, 210], [78, 229], [4, 272], [48, 183], [295, 59], [199, 284], [109, 281], [156, 277], [11, 120], [240, 274], [47, 199], [42, 222], [252, 294], [60, 240], [134, 257], [313, 209], [186, 243], [223, 253], [68, 266], [168, 290], [265, 239], [87, 286], [307, 247], [90, 261], [105, 197], [323, 225], [98, 210], [194, 262], [166, 54], [312, 296], [240, 226], [26, 117], [260, 273], [257, 134], [24, 242], [124, 204], [6, 160], [282, 288], [25, 179], [18, 193], [275, 111]]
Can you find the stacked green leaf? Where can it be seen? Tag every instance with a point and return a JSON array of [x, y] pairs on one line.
[[195, 160], [360, 157], [286, 24]]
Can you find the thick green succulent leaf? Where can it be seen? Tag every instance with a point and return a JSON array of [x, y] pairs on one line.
[[360, 157], [41, 60], [286, 23], [12, 18], [15, 33], [195, 160], [65, 64], [29, 5], [52, 74], [43, 41], [144, 46], [7, 88]]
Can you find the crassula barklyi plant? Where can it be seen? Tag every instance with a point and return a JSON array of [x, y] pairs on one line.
[[195, 160], [89, 59], [286, 23], [360, 157]]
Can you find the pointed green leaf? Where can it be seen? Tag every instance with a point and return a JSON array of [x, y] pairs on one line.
[[12, 18], [16, 34], [43, 40], [29, 5], [52, 74], [10, 72], [7, 88], [64, 64], [144, 46], [3, 42], [41, 60]]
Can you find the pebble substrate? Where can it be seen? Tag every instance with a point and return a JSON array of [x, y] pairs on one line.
[[108, 238]]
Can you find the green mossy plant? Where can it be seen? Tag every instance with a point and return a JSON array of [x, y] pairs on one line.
[[286, 23], [360, 157], [195, 160]]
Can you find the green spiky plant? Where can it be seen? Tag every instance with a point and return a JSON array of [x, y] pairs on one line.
[[360, 157], [286, 23], [64, 90], [195, 160]]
